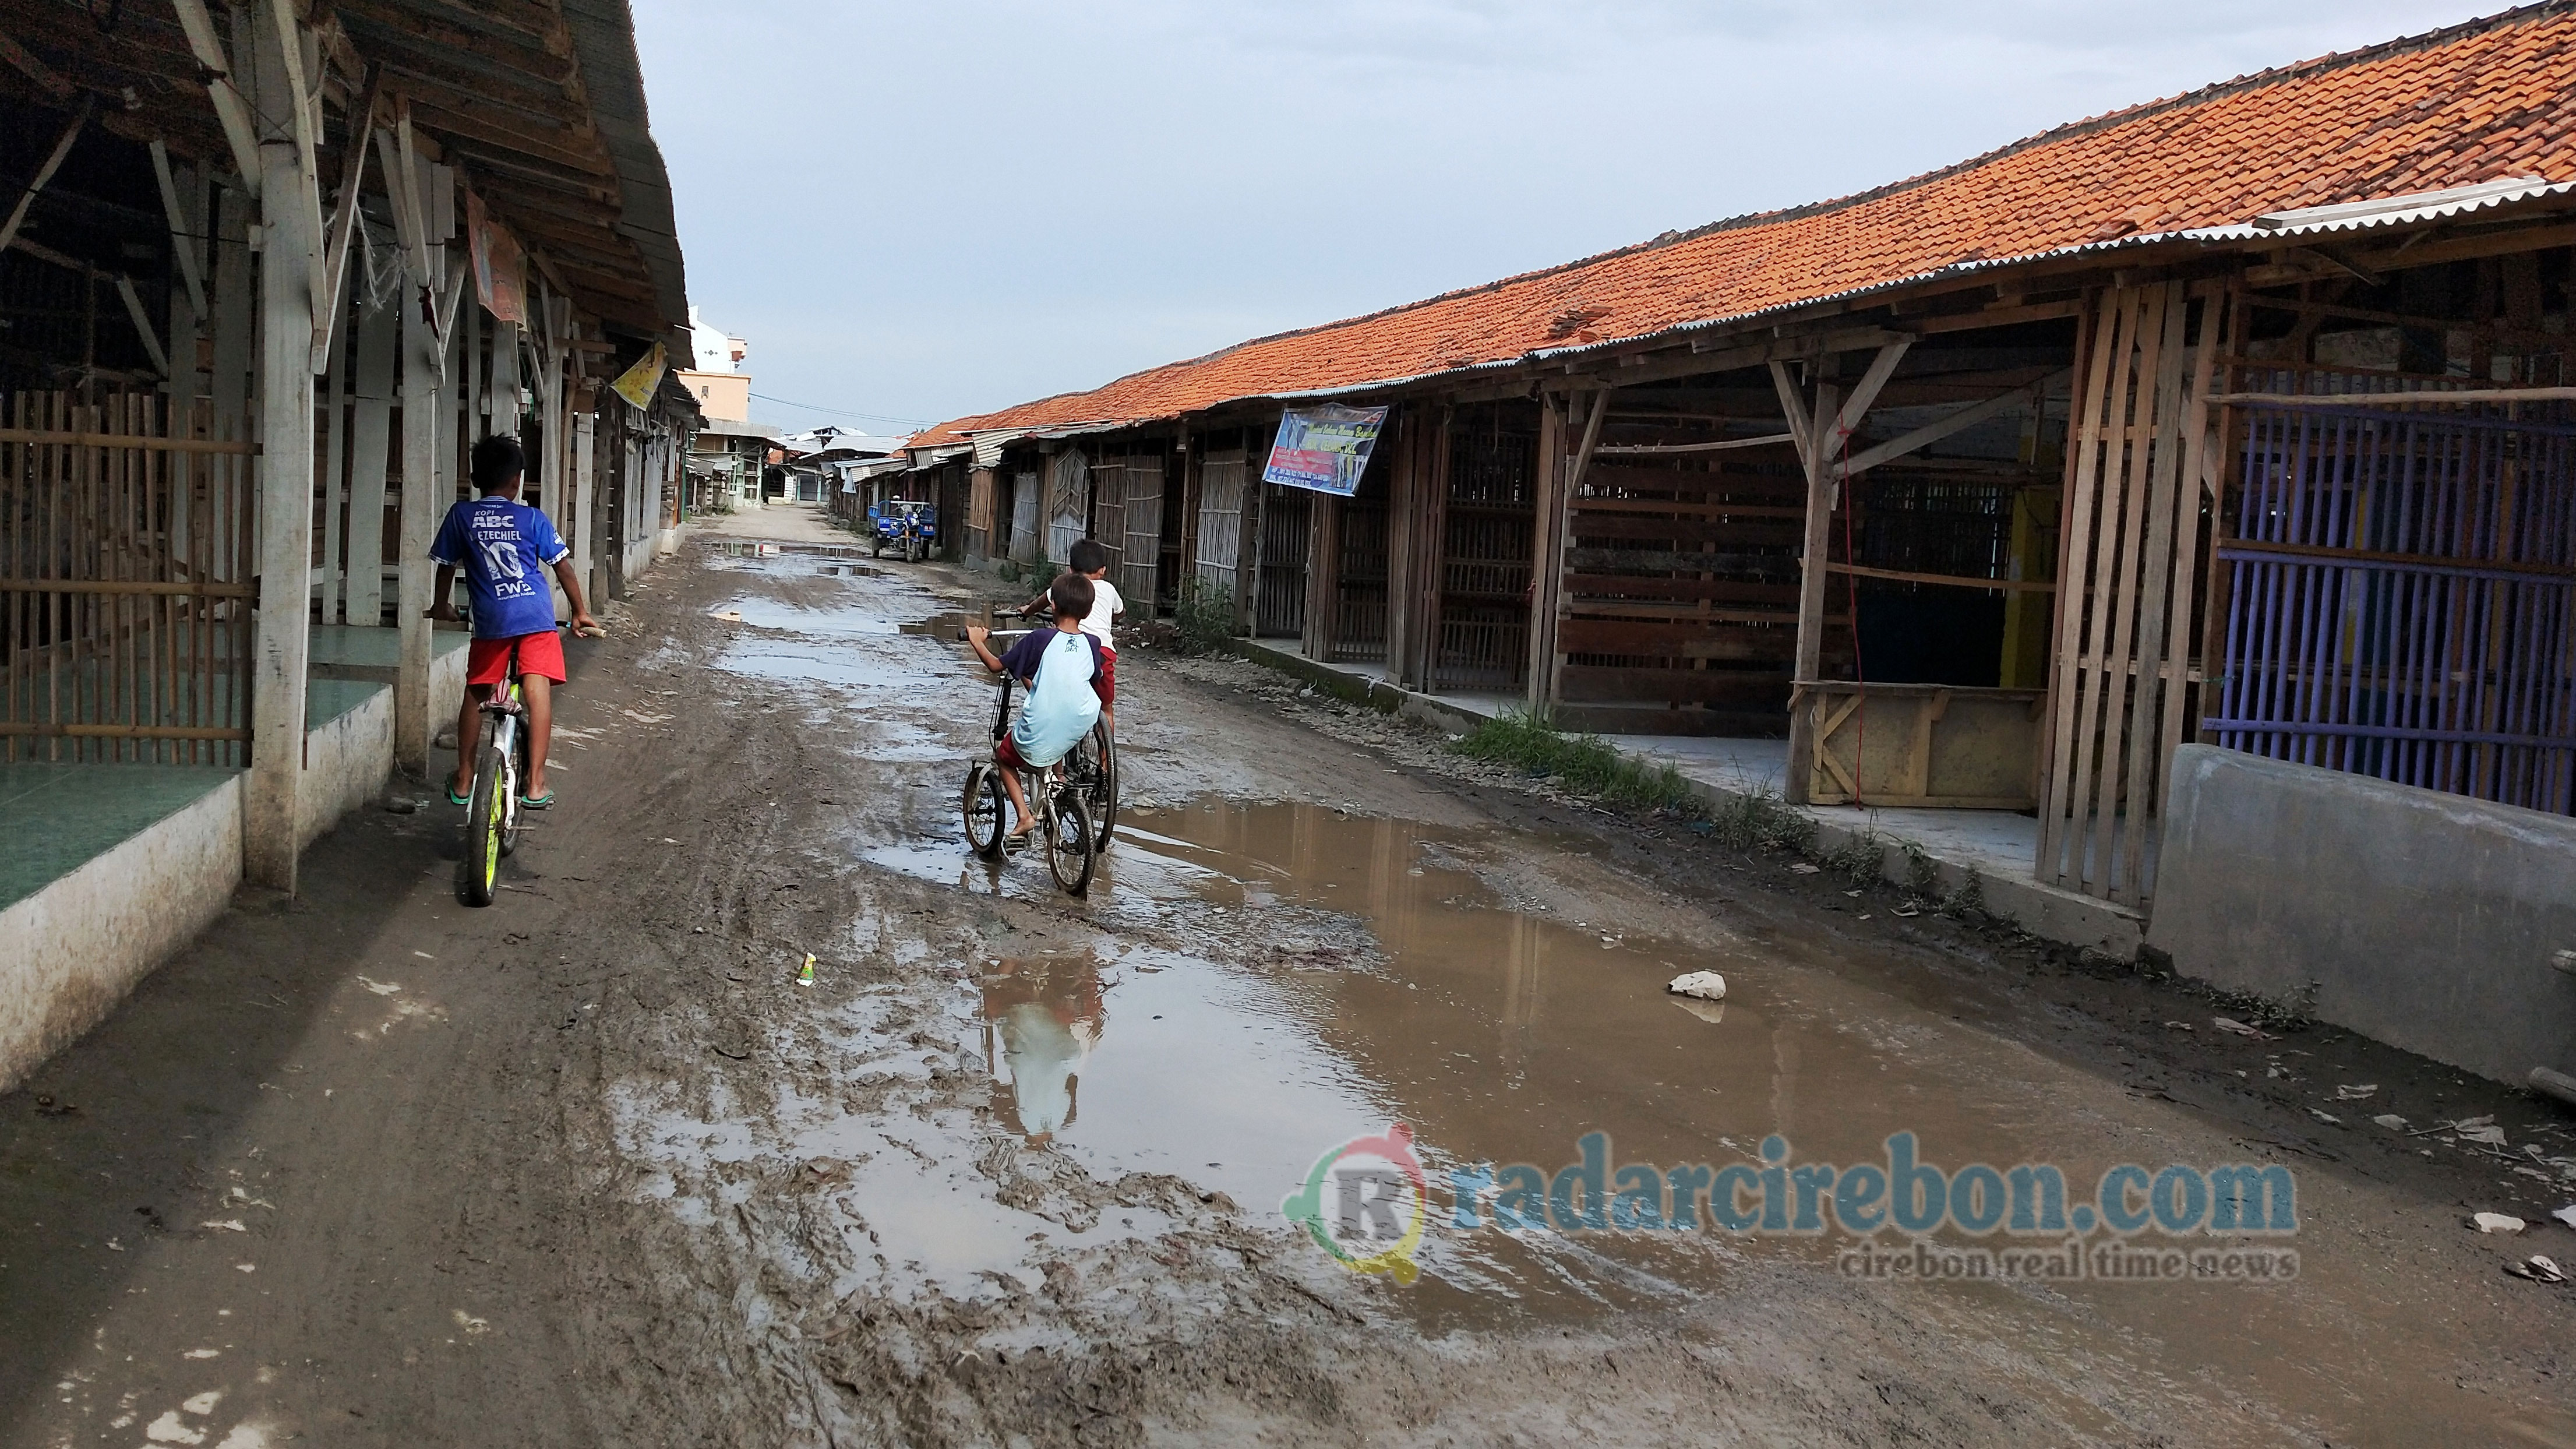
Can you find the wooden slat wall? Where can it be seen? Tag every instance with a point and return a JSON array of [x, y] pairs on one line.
[[1361, 543], [2133, 530], [1279, 597], [1220, 529], [125, 596], [1140, 546], [1680, 585]]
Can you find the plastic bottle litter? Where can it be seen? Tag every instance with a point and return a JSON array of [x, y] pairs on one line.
[[805, 973]]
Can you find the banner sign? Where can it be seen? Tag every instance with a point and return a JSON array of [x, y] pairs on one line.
[[1324, 448], [637, 385], [500, 267]]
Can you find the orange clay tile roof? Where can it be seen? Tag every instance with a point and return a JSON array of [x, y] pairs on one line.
[[2488, 99]]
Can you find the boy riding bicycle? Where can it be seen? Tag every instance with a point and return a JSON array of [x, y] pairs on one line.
[[504, 547], [1091, 560], [1062, 673]]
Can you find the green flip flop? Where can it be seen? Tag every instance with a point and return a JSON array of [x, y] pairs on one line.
[[455, 799], [539, 803]]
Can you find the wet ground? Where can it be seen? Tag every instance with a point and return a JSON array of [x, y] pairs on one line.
[[369, 1167]]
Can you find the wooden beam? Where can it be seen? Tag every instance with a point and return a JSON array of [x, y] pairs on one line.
[[1960, 421], [2396, 399], [1640, 450], [45, 173], [1996, 317], [398, 24], [2026, 586], [329, 305], [143, 324], [230, 109], [180, 245], [35, 70], [1802, 429], [1866, 391], [2425, 254]]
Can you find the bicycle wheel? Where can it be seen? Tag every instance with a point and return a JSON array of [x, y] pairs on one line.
[[1069, 842], [511, 816], [1104, 785], [477, 868], [987, 808]]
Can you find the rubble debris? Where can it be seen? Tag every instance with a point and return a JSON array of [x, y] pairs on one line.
[[2538, 1269], [1705, 985], [2496, 1223]]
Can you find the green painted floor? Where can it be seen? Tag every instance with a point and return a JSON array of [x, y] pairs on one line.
[[56, 818], [327, 699], [379, 648]]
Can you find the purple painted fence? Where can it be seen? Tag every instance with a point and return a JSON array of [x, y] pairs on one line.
[[2401, 592]]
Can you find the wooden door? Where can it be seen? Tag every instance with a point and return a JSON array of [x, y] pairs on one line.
[[2133, 526], [1141, 548], [1220, 518]]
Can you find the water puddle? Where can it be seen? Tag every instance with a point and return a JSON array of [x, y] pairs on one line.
[[751, 548]]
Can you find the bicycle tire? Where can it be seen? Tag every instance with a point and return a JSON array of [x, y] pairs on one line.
[[478, 868], [1070, 855], [1104, 787], [512, 817], [986, 807]]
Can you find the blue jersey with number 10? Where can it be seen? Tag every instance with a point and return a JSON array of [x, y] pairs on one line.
[[504, 549]]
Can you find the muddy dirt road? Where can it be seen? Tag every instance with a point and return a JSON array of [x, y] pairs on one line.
[[589, 1167]]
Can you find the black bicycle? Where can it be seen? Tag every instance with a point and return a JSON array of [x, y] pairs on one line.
[[1075, 799]]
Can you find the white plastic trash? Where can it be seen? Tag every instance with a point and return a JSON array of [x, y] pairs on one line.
[[1706, 985]]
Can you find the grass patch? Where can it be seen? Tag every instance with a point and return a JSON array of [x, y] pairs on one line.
[[1760, 820], [1583, 763]]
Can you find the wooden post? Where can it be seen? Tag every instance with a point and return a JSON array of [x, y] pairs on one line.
[[1402, 525], [1563, 455], [370, 445], [1429, 548], [424, 503], [1323, 576], [1192, 445], [1825, 431], [288, 249], [1247, 538]]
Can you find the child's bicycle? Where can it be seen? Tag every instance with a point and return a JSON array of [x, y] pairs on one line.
[[492, 809], [1075, 801]]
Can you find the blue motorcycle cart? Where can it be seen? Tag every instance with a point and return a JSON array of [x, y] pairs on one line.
[[907, 527]]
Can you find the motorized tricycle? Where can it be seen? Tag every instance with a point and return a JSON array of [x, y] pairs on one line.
[[907, 527]]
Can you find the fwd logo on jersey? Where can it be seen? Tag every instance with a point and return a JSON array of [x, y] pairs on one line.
[[496, 537]]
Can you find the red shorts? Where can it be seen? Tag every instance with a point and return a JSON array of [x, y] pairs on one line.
[[1106, 686], [486, 660], [1007, 755]]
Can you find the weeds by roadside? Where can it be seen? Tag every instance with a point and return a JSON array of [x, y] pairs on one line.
[[1204, 619], [1585, 763]]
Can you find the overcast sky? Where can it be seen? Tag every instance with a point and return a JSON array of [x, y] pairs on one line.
[[921, 210]]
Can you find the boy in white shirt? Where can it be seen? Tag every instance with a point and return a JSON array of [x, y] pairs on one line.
[[1091, 560]]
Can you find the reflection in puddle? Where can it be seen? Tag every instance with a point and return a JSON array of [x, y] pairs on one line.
[[1041, 1020]]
